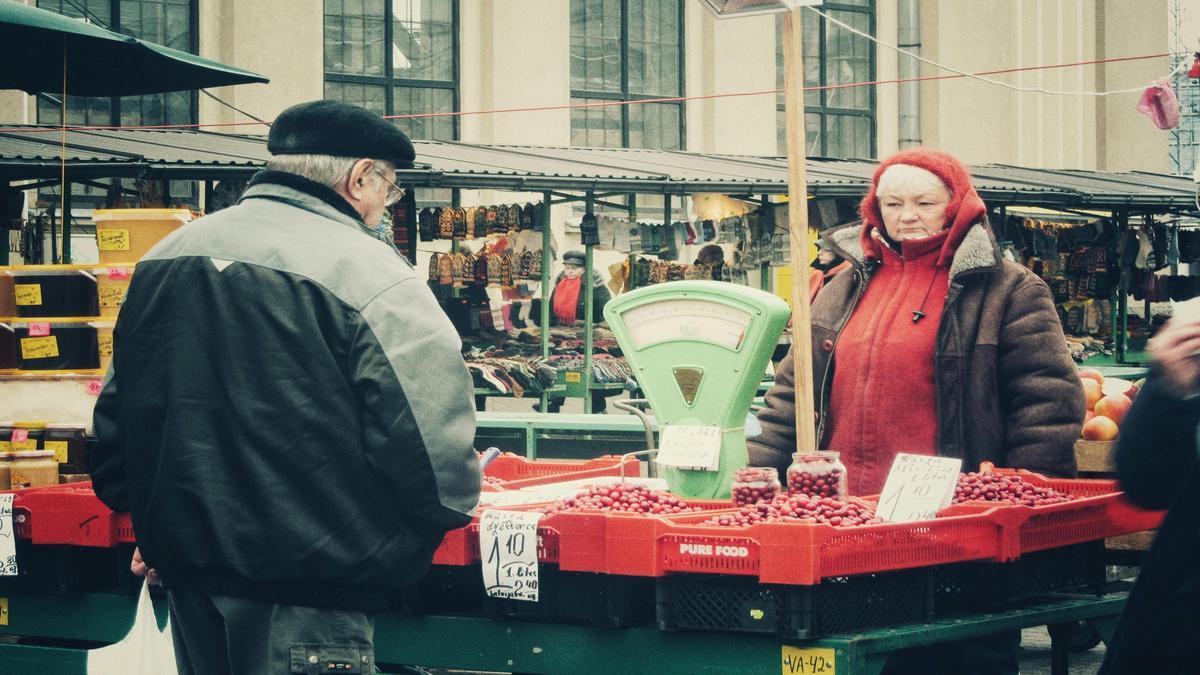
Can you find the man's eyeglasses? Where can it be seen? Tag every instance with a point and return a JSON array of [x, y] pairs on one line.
[[394, 192]]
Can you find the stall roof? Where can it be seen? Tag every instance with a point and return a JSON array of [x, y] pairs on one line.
[[32, 152]]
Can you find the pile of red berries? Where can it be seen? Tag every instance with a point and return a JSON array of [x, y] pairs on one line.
[[622, 497], [814, 484], [799, 508], [992, 487]]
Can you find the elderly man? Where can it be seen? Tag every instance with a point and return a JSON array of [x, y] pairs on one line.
[[288, 418]]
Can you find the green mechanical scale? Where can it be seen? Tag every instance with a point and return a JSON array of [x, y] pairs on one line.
[[699, 350]]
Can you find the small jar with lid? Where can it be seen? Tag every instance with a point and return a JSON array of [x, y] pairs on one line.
[[753, 484], [38, 468], [817, 475], [66, 441], [6, 437]]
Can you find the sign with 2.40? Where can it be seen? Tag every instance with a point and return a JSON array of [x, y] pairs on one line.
[[508, 548]]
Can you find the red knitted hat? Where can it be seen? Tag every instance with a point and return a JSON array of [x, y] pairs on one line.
[[963, 211]]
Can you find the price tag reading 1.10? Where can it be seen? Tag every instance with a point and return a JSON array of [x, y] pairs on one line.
[[819, 660], [508, 547]]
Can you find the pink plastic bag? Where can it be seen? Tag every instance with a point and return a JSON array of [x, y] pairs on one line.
[[1158, 103]]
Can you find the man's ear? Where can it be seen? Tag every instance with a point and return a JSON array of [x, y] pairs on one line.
[[359, 180]]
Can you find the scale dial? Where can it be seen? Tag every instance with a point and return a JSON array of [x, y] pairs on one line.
[[687, 319]]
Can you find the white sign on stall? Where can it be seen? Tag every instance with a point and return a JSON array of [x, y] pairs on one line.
[[917, 487], [690, 447], [508, 548], [8, 538]]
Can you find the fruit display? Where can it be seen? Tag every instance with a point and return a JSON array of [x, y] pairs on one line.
[[1006, 489], [1108, 399], [819, 474], [798, 508], [621, 497], [754, 484]]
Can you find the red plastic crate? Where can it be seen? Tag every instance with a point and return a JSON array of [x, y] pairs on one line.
[[1101, 511], [793, 552], [68, 514], [515, 470]]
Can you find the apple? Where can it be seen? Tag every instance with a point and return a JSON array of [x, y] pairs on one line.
[[1091, 374], [1114, 407], [1100, 428], [1087, 416], [1114, 385], [1092, 392]]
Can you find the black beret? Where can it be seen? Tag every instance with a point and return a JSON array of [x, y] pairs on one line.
[[574, 257], [341, 130]]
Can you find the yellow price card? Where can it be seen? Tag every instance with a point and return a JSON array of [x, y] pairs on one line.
[[59, 448], [39, 347], [111, 296], [105, 344], [112, 240], [28, 295], [808, 661], [573, 377]]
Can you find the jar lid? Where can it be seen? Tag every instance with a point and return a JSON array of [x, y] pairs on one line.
[[32, 454]]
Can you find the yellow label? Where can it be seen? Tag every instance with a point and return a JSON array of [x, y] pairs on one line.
[[573, 377], [3, 611], [820, 660], [59, 448], [5, 446], [105, 342], [111, 296], [27, 444], [112, 240], [39, 347], [28, 295]]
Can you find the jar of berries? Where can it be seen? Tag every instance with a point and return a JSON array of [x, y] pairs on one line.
[[753, 484], [817, 474]]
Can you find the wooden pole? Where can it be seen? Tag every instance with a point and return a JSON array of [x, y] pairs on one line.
[[793, 88]]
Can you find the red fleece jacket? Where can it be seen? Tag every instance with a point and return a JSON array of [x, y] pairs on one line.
[[884, 400]]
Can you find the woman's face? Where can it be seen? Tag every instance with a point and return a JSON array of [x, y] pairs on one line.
[[914, 211], [572, 271]]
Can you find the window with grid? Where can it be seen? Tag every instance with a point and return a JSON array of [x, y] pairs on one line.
[[395, 57], [167, 22], [627, 50], [837, 122]]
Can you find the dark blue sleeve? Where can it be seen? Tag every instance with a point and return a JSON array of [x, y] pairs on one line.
[[1157, 447]]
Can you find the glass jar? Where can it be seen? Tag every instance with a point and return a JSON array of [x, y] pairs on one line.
[[817, 475], [67, 443], [33, 469], [753, 484], [5, 471]]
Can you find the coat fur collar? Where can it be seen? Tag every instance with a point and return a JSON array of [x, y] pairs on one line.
[[978, 249]]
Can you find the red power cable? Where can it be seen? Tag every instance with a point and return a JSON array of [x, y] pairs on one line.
[[602, 104]]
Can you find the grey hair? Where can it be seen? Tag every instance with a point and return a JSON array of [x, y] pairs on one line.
[[908, 179], [325, 169]]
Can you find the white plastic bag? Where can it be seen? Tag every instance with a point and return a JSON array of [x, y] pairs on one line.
[[144, 651]]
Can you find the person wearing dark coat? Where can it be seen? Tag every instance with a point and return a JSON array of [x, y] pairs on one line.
[[567, 300], [1158, 464]]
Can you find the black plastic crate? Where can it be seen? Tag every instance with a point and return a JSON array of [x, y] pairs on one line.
[[988, 585], [836, 605], [71, 569], [445, 589], [582, 597]]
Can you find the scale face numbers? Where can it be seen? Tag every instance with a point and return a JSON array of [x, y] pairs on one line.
[[687, 319]]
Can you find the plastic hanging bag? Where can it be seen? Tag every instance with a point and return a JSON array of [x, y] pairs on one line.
[[145, 650], [1159, 103]]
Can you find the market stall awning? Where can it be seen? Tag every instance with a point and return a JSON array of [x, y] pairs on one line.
[[31, 152], [47, 51]]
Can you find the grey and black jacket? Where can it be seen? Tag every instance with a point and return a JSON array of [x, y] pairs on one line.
[[288, 416]]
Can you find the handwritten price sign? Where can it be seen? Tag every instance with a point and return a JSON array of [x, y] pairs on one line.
[[508, 544], [918, 487], [8, 538], [690, 447]]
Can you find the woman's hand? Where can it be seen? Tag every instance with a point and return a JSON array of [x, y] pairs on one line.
[[1176, 350]]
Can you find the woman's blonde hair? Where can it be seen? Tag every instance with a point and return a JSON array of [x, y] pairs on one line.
[[908, 179]]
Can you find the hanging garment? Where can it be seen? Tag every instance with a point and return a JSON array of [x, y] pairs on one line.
[[1159, 103]]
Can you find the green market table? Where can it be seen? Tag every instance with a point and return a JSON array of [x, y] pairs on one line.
[[55, 630]]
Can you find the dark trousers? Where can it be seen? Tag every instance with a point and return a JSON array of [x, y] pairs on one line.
[[222, 635]]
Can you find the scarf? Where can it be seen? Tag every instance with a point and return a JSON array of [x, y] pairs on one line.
[[566, 300]]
